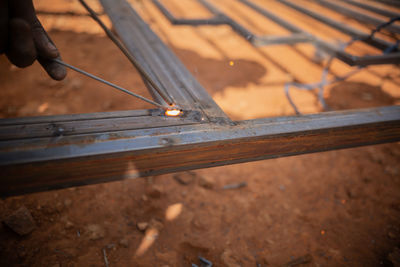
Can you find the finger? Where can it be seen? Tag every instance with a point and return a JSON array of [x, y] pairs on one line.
[[3, 25], [44, 45], [21, 49], [55, 70], [24, 9]]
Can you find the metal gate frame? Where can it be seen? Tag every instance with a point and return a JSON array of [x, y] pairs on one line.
[[52, 152], [299, 35]]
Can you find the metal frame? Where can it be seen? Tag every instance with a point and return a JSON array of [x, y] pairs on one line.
[[359, 16], [44, 153], [220, 18], [298, 35], [377, 10], [376, 42]]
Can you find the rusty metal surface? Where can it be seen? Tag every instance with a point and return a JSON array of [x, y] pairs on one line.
[[48, 163]]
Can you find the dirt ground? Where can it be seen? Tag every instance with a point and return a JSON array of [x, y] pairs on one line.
[[337, 208]]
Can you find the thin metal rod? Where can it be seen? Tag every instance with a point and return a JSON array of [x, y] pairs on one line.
[[108, 83], [132, 59]]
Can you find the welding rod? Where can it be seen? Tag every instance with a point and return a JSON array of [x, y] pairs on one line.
[[108, 83], [131, 58]]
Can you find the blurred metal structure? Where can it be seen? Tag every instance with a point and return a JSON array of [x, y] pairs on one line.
[[44, 153], [377, 10], [299, 35]]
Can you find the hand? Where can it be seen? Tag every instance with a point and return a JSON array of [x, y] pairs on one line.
[[23, 39]]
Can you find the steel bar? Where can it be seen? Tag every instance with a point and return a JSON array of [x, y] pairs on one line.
[[272, 16], [214, 20], [158, 87], [359, 16], [377, 10], [220, 18], [84, 126], [392, 58], [376, 42], [395, 3], [36, 164], [146, 46], [349, 59]]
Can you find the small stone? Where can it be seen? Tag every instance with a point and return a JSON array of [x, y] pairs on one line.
[[142, 226], [198, 224], [267, 218], [94, 232], [124, 243], [68, 225], [145, 198], [67, 202], [21, 221], [206, 182], [111, 246], [59, 206], [184, 178], [156, 224], [392, 235], [228, 259], [154, 191], [75, 83], [300, 260], [392, 170]]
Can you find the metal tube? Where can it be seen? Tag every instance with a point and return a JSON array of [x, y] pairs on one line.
[[34, 164]]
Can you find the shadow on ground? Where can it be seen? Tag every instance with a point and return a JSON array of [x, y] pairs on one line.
[[353, 95]]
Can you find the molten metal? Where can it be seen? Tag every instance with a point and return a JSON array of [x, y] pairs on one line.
[[173, 112]]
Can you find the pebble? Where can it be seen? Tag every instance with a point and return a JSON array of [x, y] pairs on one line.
[[300, 260], [154, 191], [206, 182], [59, 206], [142, 226], [156, 224], [228, 259], [95, 232], [68, 225], [111, 246], [145, 198], [20, 221], [75, 83], [392, 235], [184, 178], [124, 243], [67, 202]]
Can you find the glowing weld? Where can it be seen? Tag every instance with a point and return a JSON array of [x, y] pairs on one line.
[[173, 112]]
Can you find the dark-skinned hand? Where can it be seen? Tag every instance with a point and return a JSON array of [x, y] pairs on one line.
[[23, 39]]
